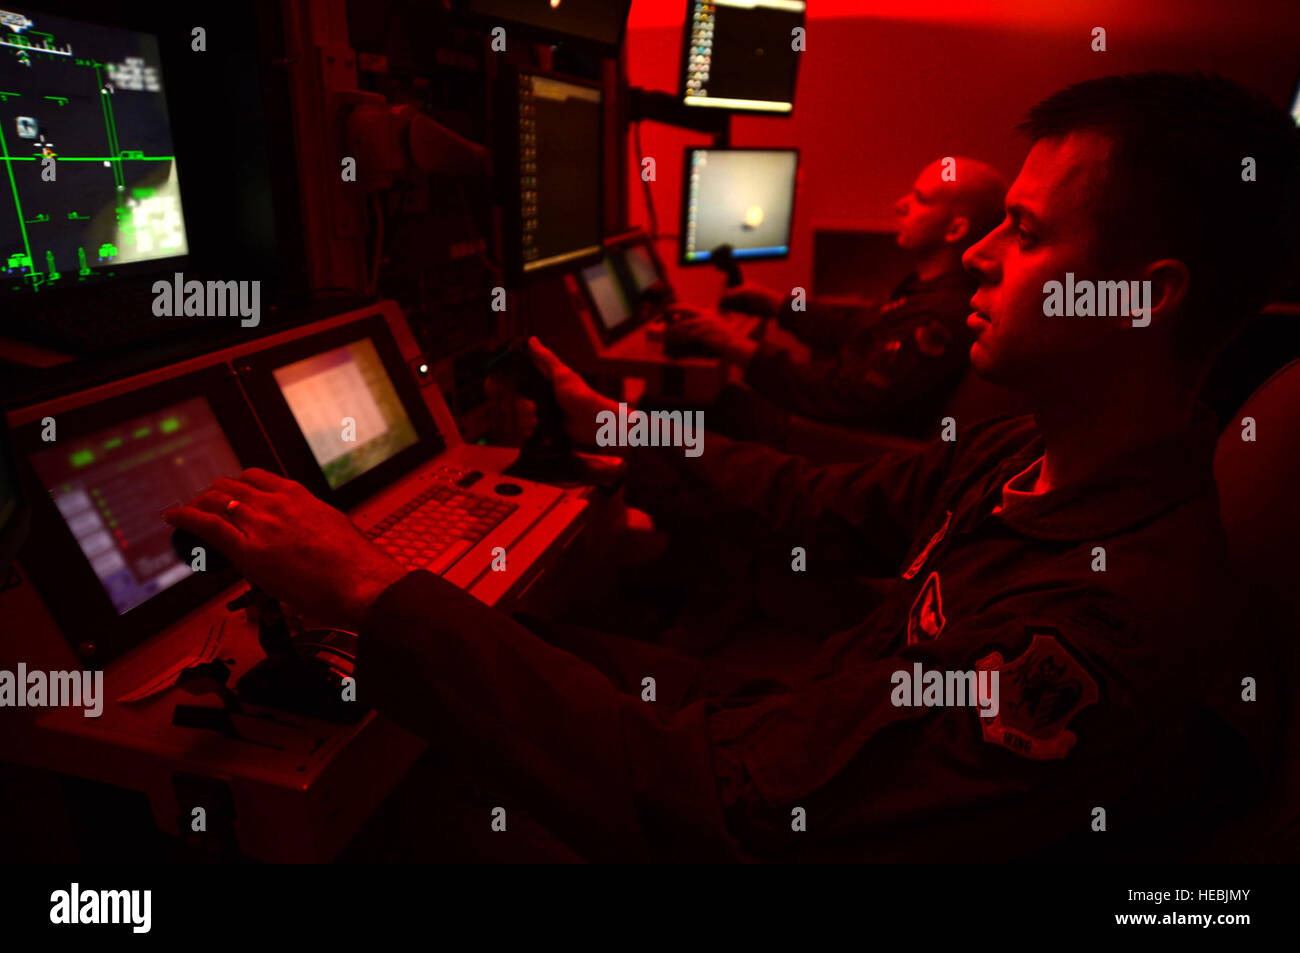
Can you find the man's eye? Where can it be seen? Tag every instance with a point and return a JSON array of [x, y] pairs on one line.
[[1026, 239]]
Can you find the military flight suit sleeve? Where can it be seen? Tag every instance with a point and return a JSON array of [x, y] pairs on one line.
[[865, 511], [908, 362], [827, 327], [1088, 718], [614, 777]]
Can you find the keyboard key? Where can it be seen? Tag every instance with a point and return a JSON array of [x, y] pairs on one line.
[[436, 528]]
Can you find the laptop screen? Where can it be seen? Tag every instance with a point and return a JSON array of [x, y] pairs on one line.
[[607, 293], [348, 410], [109, 487], [617, 282], [641, 267]]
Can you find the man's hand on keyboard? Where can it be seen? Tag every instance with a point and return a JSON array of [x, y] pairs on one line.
[[579, 402], [291, 545]]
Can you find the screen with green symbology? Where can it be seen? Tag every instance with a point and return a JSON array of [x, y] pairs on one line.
[[89, 177]]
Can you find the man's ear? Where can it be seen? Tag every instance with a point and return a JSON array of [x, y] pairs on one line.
[[1170, 282], [958, 229]]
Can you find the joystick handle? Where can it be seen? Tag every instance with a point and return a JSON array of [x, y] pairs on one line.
[[184, 543], [723, 259]]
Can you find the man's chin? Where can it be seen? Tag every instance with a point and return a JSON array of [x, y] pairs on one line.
[[998, 372], [982, 362]]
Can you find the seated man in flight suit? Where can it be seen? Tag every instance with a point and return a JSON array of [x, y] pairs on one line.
[[1077, 555], [889, 365]]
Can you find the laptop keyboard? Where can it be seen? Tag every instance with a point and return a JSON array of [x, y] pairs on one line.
[[437, 527]]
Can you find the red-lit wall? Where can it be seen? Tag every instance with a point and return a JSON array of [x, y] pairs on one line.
[[879, 97]]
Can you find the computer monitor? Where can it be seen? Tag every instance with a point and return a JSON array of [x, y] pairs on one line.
[[1295, 106], [741, 55], [616, 286], [342, 410], [87, 152], [598, 24], [550, 165], [108, 485], [346, 384], [738, 197], [99, 476]]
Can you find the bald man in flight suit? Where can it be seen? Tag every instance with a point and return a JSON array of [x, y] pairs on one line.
[[1077, 556], [888, 365]]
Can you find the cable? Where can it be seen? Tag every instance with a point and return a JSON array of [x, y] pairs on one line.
[[645, 184], [480, 242], [378, 208]]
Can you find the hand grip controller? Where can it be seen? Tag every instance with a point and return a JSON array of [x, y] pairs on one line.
[[184, 543], [547, 454], [518, 376]]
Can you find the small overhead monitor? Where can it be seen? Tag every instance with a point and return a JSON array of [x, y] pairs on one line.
[[90, 167], [738, 197], [343, 411], [551, 162], [598, 24], [741, 55]]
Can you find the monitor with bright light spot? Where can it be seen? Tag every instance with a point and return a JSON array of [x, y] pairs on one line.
[[738, 197]]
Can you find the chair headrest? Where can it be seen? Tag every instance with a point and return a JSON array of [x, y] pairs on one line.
[[1257, 470]]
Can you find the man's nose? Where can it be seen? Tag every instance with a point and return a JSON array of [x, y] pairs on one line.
[[979, 261], [901, 206]]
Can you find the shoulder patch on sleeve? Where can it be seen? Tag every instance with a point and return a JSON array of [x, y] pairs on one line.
[[932, 338], [1040, 691]]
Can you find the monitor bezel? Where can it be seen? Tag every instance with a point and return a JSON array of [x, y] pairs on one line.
[[687, 101], [257, 371], [685, 262], [57, 567], [537, 34], [620, 243], [13, 532], [506, 157]]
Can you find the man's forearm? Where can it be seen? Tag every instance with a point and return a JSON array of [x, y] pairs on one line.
[[825, 327], [740, 352]]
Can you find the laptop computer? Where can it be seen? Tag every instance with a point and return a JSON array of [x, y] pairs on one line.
[[335, 405], [97, 467], [629, 289]]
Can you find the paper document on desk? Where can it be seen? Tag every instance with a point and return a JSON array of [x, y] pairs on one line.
[[167, 678]]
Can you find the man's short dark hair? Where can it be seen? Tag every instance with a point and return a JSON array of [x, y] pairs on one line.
[[1174, 186]]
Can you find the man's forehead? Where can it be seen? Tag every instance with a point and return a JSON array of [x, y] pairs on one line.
[[931, 178], [1061, 175]]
